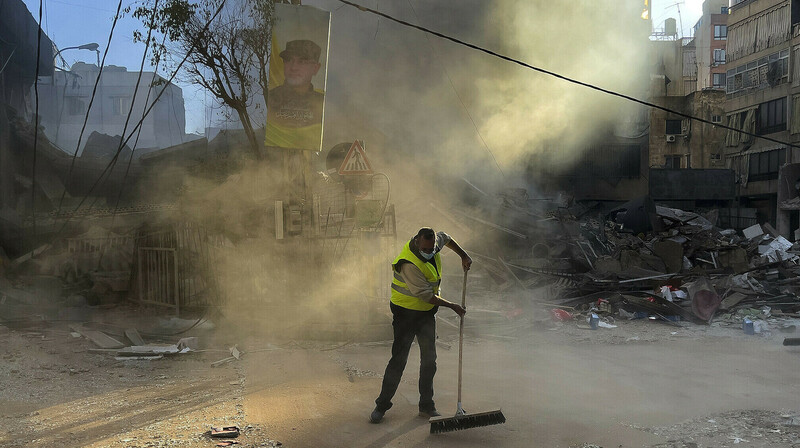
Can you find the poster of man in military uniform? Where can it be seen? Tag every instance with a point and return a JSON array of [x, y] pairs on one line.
[[297, 77]]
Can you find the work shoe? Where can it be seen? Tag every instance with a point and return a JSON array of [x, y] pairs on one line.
[[376, 416], [429, 413]]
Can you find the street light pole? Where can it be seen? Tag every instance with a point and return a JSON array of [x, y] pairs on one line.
[[91, 47]]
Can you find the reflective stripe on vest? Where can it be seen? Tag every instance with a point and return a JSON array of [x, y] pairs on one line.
[[401, 295]]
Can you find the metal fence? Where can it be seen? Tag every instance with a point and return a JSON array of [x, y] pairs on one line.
[[175, 267]]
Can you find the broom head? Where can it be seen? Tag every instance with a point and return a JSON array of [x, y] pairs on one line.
[[466, 421]]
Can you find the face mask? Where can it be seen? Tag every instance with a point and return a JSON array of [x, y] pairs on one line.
[[426, 256]]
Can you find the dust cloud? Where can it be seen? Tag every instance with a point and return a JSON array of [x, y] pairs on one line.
[[428, 100], [448, 125]]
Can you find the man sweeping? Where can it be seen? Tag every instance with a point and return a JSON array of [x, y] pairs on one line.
[[414, 302]]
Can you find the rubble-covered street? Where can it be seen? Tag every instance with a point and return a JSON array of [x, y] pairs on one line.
[[643, 383], [288, 223]]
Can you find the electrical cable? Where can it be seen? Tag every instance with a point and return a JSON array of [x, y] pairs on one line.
[[130, 113], [562, 77], [36, 122], [8, 60], [125, 127], [88, 109]]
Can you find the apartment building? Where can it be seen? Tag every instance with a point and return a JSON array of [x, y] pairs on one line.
[[762, 80]]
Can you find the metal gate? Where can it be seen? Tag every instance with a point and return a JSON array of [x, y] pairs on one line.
[[175, 266], [158, 276]]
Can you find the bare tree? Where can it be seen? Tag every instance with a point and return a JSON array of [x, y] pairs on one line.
[[230, 58]]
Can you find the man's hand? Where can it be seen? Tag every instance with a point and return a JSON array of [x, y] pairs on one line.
[[460, 310], [466, 262]]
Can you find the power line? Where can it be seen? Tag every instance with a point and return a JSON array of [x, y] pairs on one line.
[[36, 122], [562, 77], [88, 108], [127, 120], [133, 99], [146, 99]]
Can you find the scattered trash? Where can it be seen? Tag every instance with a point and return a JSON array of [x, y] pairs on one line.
[[594, 321], [747, 326], [190, 343], [560, 315]]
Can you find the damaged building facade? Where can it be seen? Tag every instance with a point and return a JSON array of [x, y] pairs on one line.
[[64, 100]]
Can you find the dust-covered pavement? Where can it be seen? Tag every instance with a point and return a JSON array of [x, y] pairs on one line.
[[644, 383]]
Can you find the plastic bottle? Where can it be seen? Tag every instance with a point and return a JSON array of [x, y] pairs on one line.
[[594, 321], [747, 326]]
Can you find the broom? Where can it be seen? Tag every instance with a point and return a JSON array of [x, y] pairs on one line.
[[463, 420]]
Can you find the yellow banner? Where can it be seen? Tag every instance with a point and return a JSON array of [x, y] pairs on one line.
[[297, 76]]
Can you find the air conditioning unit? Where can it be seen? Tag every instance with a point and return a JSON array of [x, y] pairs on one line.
[[670, 139]]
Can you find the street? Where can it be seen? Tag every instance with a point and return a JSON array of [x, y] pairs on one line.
[[640, 384]]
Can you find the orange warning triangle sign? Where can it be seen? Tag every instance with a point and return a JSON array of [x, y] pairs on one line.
[[355, 162]]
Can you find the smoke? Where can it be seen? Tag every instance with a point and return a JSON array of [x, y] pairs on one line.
[[595, 42], [431, 113], [436, 100]]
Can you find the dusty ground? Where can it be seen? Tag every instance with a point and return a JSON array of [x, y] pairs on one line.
[[644, 383]]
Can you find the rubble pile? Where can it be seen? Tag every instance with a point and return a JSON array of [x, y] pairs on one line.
[[646, 261]]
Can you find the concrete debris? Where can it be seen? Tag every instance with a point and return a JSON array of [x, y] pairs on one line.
[[667, 263], [134, 336], [101, 339]]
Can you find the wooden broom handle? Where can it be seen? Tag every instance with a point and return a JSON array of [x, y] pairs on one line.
[[461, 338]]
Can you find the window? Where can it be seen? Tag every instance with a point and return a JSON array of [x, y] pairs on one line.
[[768, 71], [723, 10], [75, 105], [673, 127], [765, 165], [772, 116], [720, 32], [672, 162], [719, 56], [716, 118], [718, 80], [119, 105]]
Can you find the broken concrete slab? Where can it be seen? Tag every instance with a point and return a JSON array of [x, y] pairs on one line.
[[101, 339], [133, 335], [152, 349], [731, 301]]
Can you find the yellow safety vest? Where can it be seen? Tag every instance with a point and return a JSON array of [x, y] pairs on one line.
[[401, 296]]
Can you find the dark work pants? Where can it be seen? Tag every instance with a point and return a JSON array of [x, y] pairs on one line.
[[408, 324]]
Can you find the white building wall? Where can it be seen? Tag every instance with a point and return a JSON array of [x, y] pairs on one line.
[[69, 93]]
